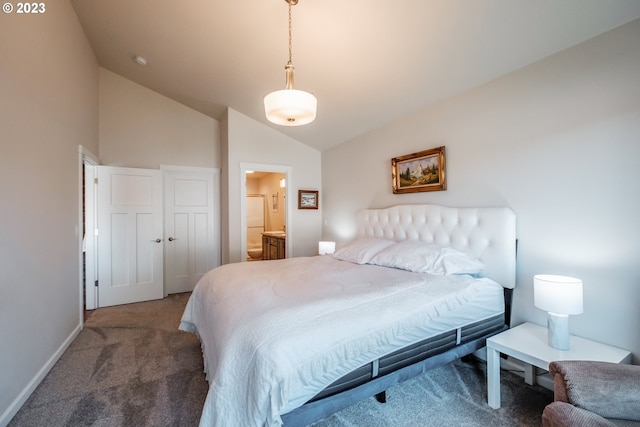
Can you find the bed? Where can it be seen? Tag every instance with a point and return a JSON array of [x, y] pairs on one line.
[[292, 341]]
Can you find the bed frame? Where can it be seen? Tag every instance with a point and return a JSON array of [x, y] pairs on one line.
[[489, 234]]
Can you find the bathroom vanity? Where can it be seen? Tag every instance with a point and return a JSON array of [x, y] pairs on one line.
[[273, 245]]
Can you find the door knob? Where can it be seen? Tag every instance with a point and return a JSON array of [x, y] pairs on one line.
[[171, 239], [157, 240]]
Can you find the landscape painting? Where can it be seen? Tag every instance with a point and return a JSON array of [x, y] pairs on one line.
[[422, 171], [307, 199]]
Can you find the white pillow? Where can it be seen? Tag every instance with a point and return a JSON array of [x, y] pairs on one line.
[[412, 255], [456, 262], [422, 257], [362, 250]]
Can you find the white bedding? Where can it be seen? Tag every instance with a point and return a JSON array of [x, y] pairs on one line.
[[273, 337]]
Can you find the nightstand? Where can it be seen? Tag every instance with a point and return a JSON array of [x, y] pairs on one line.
[[528, 342]]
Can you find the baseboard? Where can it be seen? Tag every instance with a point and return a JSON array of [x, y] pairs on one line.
[[542, 377], [15, 406], [516, 366]]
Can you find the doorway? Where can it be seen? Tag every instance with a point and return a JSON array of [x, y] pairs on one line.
[[271, 185], [88, 274], [265, 209], [197, 218]]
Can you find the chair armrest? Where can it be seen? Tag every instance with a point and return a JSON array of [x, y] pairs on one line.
[[562, 414], [608, 389]]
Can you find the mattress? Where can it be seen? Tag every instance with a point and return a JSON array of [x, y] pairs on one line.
[[274, 334]]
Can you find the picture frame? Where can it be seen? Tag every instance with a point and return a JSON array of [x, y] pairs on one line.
[[307, 199], [421, 171]]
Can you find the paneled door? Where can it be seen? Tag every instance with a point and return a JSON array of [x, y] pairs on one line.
[[190, 215], [130, 240]]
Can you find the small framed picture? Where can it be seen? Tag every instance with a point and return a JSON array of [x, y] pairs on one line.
[[422, 171], [307, 199]]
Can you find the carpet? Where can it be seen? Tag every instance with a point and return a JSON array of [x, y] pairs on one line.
[[130, 366], [452, 395]]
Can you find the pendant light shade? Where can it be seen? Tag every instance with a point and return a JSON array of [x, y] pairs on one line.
[[290, 107]]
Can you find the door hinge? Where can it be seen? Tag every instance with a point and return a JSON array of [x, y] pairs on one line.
[[95, 284], [95, 181]]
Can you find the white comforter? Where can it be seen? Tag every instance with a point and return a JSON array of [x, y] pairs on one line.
[[275, 333]]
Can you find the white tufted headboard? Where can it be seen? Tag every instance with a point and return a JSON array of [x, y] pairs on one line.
[[489, 234]]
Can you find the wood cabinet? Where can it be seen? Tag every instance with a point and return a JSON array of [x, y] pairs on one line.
[[273, 247]]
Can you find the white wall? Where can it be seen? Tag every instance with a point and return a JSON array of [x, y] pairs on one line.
[[557, 141], [141, 128], [48, 106], [245, 140]]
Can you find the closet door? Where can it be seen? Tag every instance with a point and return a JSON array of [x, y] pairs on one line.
[[130, 255], [191, 236]]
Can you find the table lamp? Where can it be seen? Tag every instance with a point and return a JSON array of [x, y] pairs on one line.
[[326, 247], [559, 296]]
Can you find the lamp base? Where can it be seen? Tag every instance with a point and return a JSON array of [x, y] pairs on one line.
[[558, 330]]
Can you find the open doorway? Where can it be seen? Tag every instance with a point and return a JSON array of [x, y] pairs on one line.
[[265, 212], [87, 225]]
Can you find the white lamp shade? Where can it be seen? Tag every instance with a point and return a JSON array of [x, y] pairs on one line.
[[557, 294], [325, 247], [290, 107]]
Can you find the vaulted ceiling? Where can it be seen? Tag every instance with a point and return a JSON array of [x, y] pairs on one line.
[[368, 62]]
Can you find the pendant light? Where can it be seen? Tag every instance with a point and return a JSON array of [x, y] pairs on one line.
[[290, 107]]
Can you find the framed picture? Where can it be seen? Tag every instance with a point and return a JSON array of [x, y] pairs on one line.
[[422, 171], [307, 199]]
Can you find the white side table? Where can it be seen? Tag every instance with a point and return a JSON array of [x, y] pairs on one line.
[[528, 342]]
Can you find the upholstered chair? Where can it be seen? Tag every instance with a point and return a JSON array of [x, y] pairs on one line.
[[593, 394]]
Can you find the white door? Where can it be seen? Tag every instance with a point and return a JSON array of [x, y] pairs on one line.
[[191, 239], [130, 252]]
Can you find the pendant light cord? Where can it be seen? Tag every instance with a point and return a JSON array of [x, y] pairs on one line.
[[289, 1]]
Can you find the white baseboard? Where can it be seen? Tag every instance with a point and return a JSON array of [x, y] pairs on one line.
[[542, 377], [15, 406]]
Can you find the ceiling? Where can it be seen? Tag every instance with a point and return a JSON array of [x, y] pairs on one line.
[[368, 62]]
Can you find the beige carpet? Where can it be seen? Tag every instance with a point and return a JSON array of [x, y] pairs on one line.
[[130, 366]]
